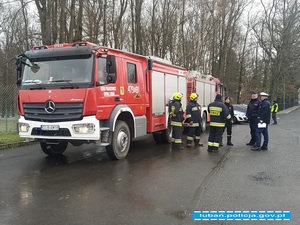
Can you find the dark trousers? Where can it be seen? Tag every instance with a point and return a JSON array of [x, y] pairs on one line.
[[264, 132], [274, 117], [193, 132], [215, 136], [253, 128], [228, 128], [177, 135]]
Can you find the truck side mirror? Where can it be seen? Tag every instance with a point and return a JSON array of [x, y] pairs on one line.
[[111, 68], [19, 71]]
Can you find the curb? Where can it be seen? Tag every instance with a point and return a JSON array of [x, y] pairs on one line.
[[287, 111], [16, 144]]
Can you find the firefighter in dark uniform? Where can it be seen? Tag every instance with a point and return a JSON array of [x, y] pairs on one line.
[[228, 126], [194, 120], [219, 114], [252, 112], [264, 117], [176, 114], [274, 110]]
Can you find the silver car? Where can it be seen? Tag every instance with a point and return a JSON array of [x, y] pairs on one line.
[[240, 113]]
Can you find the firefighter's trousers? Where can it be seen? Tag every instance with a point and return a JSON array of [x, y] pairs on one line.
[[177, 135], [215, 136], [193, 133]]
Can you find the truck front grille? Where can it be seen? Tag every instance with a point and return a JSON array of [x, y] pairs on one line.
[[61, 112]]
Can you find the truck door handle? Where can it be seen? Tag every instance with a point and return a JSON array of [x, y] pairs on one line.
[[117, 99]]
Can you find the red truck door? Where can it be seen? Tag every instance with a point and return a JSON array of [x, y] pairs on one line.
[[134, 86]]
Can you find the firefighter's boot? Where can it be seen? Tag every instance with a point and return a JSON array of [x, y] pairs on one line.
[[189, 143], [197, 142], [229, 143], [221, 142]]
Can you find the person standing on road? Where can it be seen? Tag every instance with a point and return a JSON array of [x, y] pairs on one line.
[[264, 116], [228, 125], [194, 120], [176, 115], [252, 111], [274, 110], [219, 114]]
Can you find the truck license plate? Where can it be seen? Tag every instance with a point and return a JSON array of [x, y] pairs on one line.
[[50, 127]]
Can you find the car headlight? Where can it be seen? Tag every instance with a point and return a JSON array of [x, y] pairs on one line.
[[23, 127], [86, 128]]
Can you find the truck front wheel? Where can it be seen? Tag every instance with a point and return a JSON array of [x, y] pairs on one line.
[[120, 141], [54, 149]]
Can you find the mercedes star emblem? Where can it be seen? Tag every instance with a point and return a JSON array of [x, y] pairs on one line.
[[50, 107]]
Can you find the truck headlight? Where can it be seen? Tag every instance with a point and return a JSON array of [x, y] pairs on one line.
[[86, 128], [23, 127]]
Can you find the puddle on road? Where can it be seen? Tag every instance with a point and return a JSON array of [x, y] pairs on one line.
[[264, 178]]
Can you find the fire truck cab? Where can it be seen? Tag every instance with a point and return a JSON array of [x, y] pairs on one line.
[[84, 93]]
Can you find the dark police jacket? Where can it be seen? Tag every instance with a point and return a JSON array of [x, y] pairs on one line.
[[252, 109], [193, 113], [219, 113], [264, 112]]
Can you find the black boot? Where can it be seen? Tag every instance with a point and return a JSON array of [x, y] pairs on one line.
[[264, 147], [188, 143], [215, 149], [229, 140], [221, 142], [210, 149], [197, 142]]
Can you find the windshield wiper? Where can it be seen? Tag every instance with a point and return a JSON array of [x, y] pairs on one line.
[[37, 86], [63, 80]]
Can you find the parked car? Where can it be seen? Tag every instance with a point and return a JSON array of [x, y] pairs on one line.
[[240, 113]]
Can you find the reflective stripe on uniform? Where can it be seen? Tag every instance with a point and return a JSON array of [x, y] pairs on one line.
[[197, 137], [194, 125], [189, 138], [188, 116], [215, 144], [177, 141], [228, 117], [210, 144], [215, 124], [176, 124], [195, 109], [214, 108]]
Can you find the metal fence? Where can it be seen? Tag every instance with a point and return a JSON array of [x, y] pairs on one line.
[[8, 108]]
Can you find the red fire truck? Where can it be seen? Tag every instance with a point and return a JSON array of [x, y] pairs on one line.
[[84, 93], [206, 86]]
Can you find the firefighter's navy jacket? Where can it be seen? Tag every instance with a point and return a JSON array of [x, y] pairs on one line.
[[193, 113], [264, 112], [176, 114], [219, 113]]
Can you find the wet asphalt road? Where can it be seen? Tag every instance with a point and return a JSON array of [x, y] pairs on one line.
[[153, 185]]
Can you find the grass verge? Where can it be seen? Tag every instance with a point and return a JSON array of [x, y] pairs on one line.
[[6, 138]]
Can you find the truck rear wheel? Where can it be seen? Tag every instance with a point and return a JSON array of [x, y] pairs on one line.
[[164, 136], [54, 149], [120, 141]]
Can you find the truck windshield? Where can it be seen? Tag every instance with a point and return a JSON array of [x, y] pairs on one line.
[[56, 72]]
